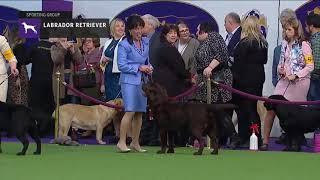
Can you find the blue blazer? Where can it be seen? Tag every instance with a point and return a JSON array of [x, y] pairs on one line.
[[129, 60], [234, 41]]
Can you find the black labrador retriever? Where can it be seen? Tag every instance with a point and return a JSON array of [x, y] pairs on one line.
[[200, 119], [20, 122], [295, 120]]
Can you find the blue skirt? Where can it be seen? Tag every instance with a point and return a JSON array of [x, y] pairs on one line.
[[133, 98]]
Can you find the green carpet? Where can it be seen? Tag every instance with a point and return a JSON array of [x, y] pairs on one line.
[[102, 162]]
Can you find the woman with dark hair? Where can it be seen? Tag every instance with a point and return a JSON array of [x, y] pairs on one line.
[[91, 58], [169, 67], [133, 64], [211, 62]]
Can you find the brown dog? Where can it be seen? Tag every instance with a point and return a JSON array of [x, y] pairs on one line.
[[87, 117], [200, 119]]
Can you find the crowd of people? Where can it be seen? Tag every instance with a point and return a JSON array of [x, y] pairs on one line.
[[141, 48]]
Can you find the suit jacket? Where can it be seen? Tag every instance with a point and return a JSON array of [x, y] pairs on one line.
[[234, 41], [188, 54], [169, 70], [154, 45], [129, 60]]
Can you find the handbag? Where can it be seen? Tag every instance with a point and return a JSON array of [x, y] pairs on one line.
[[85, 78]]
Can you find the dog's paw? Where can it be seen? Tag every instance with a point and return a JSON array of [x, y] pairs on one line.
[[170, 151], [161, 152], [36, 153], [197, 153], [102, 142], [21, 153]]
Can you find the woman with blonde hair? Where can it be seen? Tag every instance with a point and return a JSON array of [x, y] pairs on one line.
[[294, 68], [250, 55], [109, 63], [109, 59]]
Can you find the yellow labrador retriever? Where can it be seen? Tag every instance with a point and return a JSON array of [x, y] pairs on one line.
[[87, 117]]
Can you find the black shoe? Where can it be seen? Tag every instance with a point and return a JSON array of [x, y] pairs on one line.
[[264, 147]]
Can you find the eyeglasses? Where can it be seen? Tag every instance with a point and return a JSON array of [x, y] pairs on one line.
[[88, 41], [184, 31]]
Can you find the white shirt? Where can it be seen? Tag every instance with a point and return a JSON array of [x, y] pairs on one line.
[[182, 47], [230, 35]]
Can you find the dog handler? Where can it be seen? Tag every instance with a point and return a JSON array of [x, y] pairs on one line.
[[6, 54]]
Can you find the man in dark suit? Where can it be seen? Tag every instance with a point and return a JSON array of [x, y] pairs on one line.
[[150, 30], [149, 131], [232, 24]]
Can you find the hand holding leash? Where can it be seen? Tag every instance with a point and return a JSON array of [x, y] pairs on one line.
[[207, 72]]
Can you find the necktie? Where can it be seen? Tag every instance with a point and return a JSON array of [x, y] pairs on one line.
[[229, 36]]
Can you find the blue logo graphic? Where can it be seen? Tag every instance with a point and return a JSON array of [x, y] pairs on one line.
[[29, 27]]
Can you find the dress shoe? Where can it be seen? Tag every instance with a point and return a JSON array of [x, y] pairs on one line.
[[126, 150], [264, 147], [137, 149]]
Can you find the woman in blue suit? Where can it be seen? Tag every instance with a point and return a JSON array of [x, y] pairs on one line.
[[133, 64]]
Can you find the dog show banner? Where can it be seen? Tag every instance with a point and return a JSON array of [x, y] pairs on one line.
[[171, 12]]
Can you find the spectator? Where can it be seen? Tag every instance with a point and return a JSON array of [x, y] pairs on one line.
[[313, 27], [169, 67], [187, 47], [232, 24], [211, 62], [250, 55], [110, 60]]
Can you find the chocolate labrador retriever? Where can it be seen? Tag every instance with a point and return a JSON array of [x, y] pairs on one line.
[[199, 119]]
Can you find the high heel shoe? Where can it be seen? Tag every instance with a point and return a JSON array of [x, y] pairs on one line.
[[137, 149], [123, 150]]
